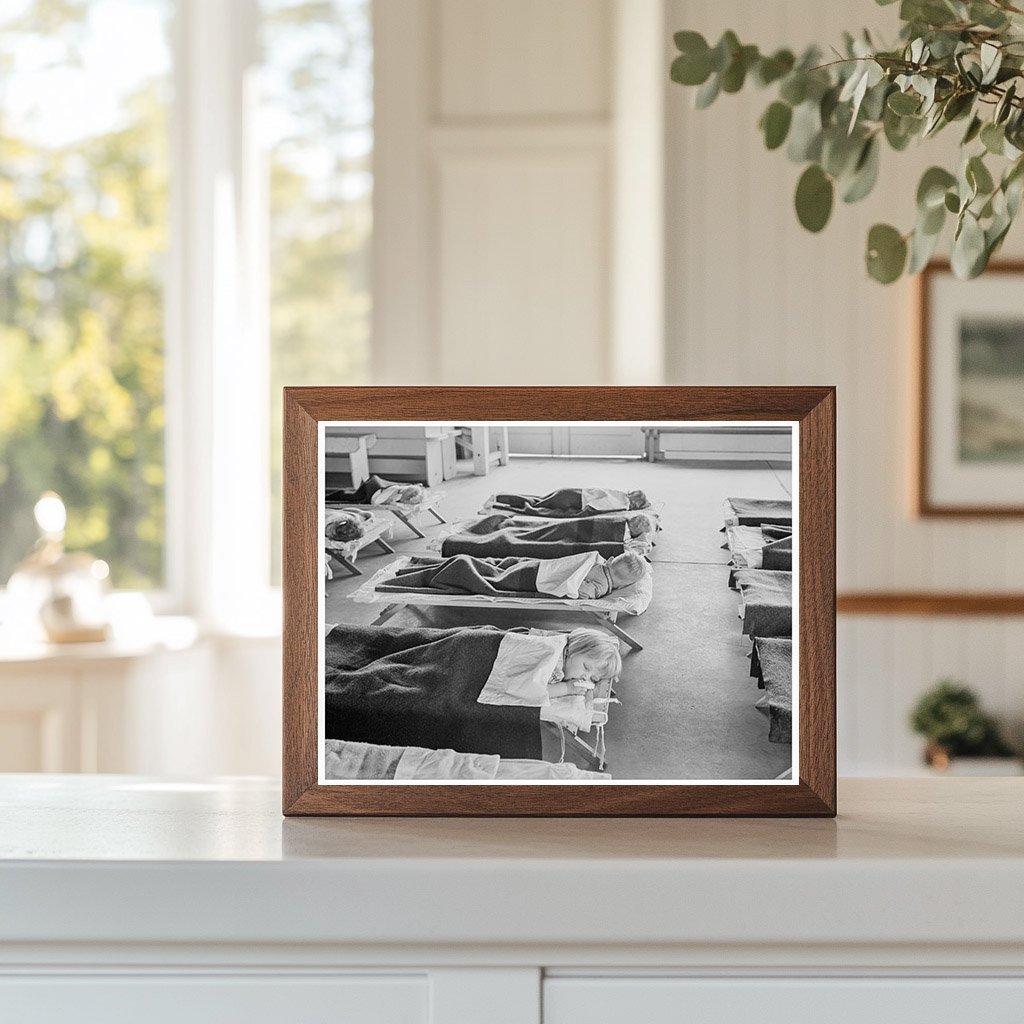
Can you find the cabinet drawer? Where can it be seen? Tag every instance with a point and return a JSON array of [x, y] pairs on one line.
[[667, 1000], [202, 999]]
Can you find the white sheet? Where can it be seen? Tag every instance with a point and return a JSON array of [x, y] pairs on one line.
[[524, 666]]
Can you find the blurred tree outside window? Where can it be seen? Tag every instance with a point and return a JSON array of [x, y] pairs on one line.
[[317, 123], [84, 102]]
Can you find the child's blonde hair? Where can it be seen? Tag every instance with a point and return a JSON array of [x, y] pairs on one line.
[[602, 648]]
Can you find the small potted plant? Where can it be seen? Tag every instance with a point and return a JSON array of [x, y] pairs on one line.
[[951, 719]]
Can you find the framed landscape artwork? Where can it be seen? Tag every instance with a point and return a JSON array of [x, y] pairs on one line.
[[559, 601], [970, 445]]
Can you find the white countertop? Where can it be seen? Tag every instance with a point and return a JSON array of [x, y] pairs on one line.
[[125, 859]]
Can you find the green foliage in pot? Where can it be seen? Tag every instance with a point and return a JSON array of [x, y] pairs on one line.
[[957, 62], [950, 717]]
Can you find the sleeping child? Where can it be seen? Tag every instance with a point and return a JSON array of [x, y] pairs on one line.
[[378, 491], [345, 525], [572, 501], [587, 576], [494, 538]]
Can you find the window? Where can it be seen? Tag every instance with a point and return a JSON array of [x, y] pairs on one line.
[[317, 119], [83, 237]]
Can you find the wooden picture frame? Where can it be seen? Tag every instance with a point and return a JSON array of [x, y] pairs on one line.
[[925, 502], [811, 792]]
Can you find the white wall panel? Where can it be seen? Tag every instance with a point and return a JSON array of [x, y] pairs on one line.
[[753, 298], [521, 279], [527, 58]]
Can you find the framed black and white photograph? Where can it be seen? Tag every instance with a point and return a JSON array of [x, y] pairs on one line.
[[970, 448], [557, 615]]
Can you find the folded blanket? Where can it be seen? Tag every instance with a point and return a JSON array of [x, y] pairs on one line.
[[419, 687], [493, 577], [774, 659], [552, 540], [767, 602], [754, 547], [568, 502], [755, 511]]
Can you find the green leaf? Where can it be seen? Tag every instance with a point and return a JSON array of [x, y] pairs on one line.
[[707, 93], [814, 195], [993, 138], [973, 129], [1005, 104], [805, 133], [969, 254], [991, 57], [931, 191], [922, 247], [958, 106], [865, 173], [693, 65], [794, 89], [903, 103], [735, 74], [725, 50], [886, 254], [987, 15], [952, 202], [839, 151], [978, 176], [771, 69], [775, 124]]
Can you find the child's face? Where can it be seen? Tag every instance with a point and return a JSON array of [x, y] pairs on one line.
[[581, 665]]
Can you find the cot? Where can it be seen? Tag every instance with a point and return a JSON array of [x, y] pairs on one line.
[[652, 513], [403, 511], [517, 536], [631, 600], [766, 601], [346, 552], [771, 663]]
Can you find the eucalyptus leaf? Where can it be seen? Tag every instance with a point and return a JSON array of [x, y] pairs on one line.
[[865, 173], [775, 124], [931, 190], [814, 195], [886, 253], [922, 248], [805, 133], [707, 93], [771, 69], [978, 176], [993, 138], [904, 103], [968, 248]]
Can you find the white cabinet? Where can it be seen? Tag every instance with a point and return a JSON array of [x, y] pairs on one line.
[[830, 1000], [206, 999], [127, 899]]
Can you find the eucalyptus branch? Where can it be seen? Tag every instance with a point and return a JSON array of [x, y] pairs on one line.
[[953, 60]]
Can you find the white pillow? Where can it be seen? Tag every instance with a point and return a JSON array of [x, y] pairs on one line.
[[522, 670]]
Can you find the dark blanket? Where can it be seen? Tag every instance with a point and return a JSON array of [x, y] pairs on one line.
[[553, 540], [360, 495], [758, 511], [778, 554], [773, 661], [463, 574], [767, 602], [418, 687], [565, 503]]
